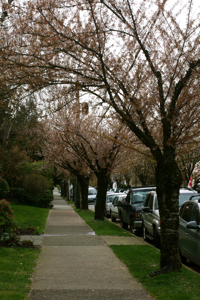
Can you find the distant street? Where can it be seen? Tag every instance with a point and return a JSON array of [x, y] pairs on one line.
[[91, 206]]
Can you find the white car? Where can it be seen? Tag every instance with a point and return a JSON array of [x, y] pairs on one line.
[[114, 206], [92, 194], [109, 198]]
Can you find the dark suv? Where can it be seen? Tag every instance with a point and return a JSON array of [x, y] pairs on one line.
[[130, 210]]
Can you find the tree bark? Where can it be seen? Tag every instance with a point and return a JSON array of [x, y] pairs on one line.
[[67, 191], [102, 184], [78, 194], [84, 184], [63, 192], [168, 182]]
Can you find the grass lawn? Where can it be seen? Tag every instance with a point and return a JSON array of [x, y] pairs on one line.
[[101, 227], [30, 216], [16, 268], [144, 259], [17, 263]]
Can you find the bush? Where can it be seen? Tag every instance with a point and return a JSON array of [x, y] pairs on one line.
[[51, 184], [35, 184], [4, 188], [6, 217], [40, 200], [48, 194]]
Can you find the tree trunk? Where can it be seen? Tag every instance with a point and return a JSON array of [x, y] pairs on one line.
[[168, 182], [78, 194], [84, 184], [67, 191], [63, 189], [102, 185]]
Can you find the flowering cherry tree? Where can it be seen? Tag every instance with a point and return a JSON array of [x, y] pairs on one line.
[[84, 146], [141, 58]]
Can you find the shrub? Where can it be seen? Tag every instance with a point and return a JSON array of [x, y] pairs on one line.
[[6, 217], [51, 183], [40, 200], [35, 184], [14, 193], [4, 188], [47, 198]]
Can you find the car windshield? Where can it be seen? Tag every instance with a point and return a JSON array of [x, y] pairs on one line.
[[92, 192], [110, 198], [139, 197], [184, 197], [156, 203]]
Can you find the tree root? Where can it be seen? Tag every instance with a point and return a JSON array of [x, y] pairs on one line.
[[167, 269]]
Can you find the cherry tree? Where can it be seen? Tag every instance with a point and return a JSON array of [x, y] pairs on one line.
[[84, 145], [55, 150], [141, 58]]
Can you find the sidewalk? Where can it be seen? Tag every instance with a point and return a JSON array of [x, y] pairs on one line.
[[76, 264]]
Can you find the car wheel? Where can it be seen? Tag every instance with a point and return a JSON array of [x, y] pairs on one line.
[[144, 232], [132, 229], [183, 259], [112, 218], [106, 214], [123, 224], [156, 238]]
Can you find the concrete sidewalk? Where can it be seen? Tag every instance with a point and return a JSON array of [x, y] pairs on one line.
[[76, 264]]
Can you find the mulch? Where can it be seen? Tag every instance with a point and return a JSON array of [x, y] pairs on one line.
[[14, 241], [23, 244], [25, 231]]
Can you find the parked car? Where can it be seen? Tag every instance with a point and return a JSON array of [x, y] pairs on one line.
[[92, 194], [114, 206], [109, 199], [189, 230], [150, 214], [119, 190], [130, 210], [151, 219]]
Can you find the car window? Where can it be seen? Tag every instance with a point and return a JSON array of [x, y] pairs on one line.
[[92, 192], [195, 213], [110, 198], [186, 215], [123, 199], [184, 197], [151, 202], [182, 209], [128, 197], [139, 197], [156, 203], [115, 200], [147, 200]]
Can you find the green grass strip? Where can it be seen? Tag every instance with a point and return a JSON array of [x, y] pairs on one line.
[[144, 259], [17, 264], [101, 227], [30, 216], [16, 268]]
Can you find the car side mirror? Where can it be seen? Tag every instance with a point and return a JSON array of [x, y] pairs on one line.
[[147, 209], [192, 225]]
